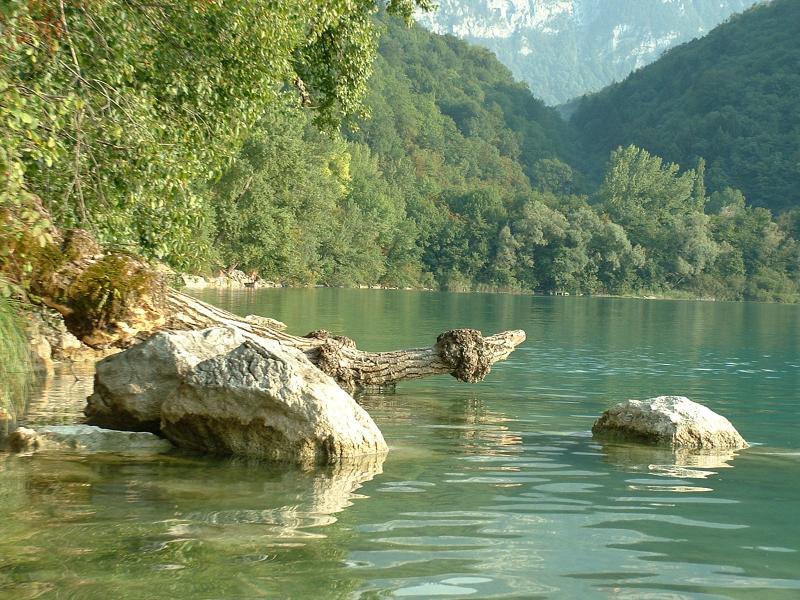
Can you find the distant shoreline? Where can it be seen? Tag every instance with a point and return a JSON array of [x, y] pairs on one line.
[[194, 283]]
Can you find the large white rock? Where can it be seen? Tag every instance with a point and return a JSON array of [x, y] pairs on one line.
[[85, 438], [673, 421], [130, 387], [267, 400]]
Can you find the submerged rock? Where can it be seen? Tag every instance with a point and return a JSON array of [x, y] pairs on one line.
[[85, 438], [673, 421], [218, 391], [268, 400], [680, 463], [130, 387]]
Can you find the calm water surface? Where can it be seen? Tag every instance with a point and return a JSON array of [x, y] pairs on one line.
[[494, 490]]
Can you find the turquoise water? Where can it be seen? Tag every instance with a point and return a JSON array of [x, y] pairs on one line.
[[494, 490]]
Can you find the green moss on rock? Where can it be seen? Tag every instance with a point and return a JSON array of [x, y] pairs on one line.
[[107, 291]]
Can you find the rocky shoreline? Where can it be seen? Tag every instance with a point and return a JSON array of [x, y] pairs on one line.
[[243, 389], [238, 280], [225, 280], [51, 342]]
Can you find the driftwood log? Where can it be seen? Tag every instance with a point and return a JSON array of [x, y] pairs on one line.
[[463, 353], [117, 299]]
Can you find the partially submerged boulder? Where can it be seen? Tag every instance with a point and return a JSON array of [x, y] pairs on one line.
[[267, 400], [222, 391], [85, 438], [673, 421], [130, 387]]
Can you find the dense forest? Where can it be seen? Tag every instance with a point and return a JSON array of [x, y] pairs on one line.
[[214, 136], [731, 97]]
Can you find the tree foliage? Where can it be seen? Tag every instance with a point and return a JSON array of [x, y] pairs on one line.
[[118, 113]]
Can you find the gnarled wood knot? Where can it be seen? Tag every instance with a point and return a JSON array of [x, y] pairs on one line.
[[466, 352]]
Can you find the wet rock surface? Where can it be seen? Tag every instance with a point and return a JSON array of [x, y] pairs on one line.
[[263, 399], [672, 421], [85, 438]]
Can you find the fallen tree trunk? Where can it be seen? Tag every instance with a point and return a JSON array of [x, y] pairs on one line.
[[463, 353], [116, 300]]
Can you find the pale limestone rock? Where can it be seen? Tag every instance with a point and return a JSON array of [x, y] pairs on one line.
[[673, 421], [194, 282], [130, 387], [85, 438], [216, 391], [50, 341], [41, 351], [267, 400], [64, 345]]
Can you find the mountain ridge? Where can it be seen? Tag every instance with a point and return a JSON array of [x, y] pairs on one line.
[[565, 48], [731, 97]]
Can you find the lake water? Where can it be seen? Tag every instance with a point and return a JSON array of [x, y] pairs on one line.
[[494, 490]]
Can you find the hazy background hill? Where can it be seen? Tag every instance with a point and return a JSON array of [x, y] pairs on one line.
[[732, 97], [566, 48]]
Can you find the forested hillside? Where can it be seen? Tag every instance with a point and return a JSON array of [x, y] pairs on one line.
[[732, 97], [235, 135]]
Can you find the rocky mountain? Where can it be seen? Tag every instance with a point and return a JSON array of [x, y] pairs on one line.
[[566, 48]]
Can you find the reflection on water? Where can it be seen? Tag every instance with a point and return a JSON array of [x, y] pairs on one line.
[[113, 519], [59, 399], [494, 490], [665, 462]]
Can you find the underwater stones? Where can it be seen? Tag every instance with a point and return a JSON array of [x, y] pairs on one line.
[[266, 400], [85, 438], [22, 439], [673, 421]]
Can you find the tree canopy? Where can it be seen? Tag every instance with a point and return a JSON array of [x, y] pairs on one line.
[[118, 113]]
